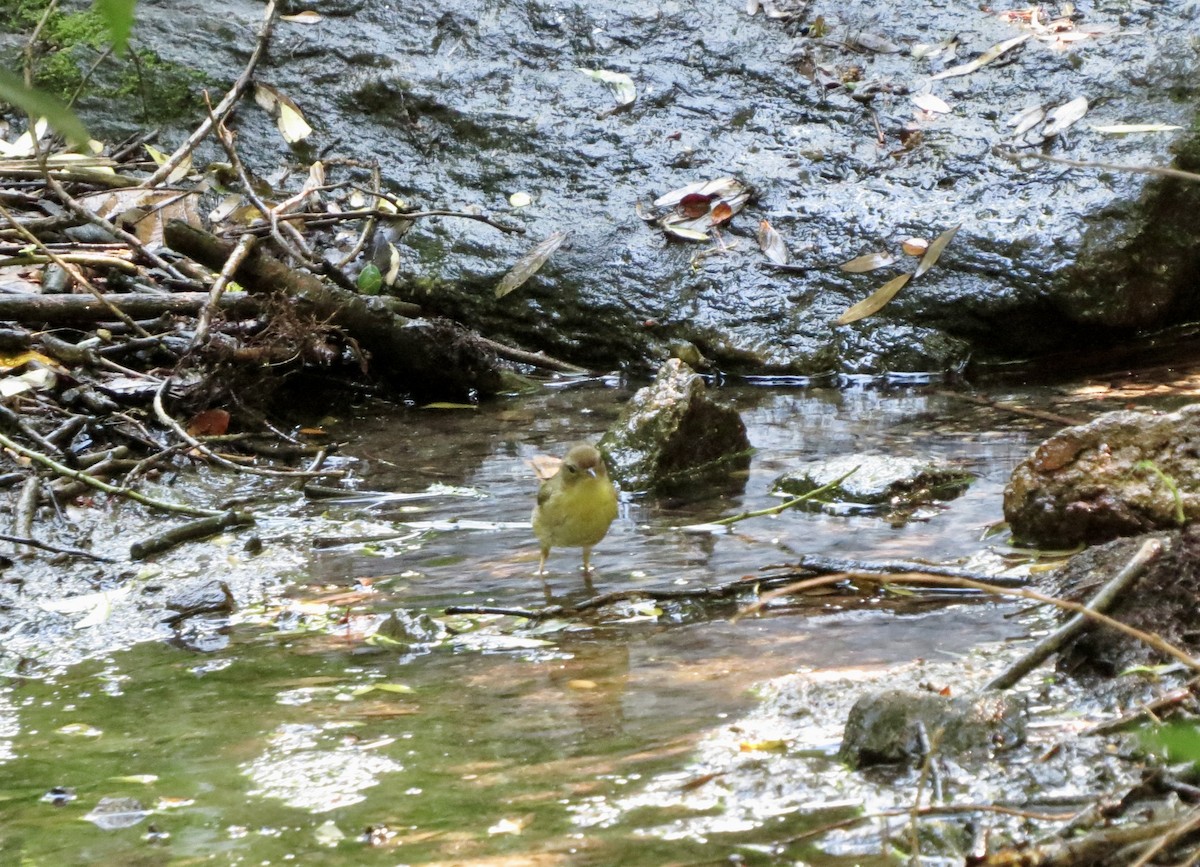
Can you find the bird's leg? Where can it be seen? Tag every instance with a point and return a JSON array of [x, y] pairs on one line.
[[587, 556], [542, 562]]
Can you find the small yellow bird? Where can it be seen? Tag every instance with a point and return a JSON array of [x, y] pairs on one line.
[[575, 505]]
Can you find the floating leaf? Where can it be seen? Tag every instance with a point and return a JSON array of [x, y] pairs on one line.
[[875, 302], [914, 246], [445, 404], [1062, 117], [929, 102], [1123, 128], [772, 243], [935, 250], [982, 60], [306, 17], [530, 263], [370, 280], [619, 83], [867, 262], [520, 200], [721, 213]]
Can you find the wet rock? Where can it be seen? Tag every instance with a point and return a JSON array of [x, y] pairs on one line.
[[1162, 601], [879, 482], [200, 597], [452, 107], [885, 726], [673, 432], [405, 630], [1092, 482]]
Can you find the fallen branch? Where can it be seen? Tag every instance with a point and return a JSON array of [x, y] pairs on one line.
[[93, 482], [201, 529], [1104, 598]]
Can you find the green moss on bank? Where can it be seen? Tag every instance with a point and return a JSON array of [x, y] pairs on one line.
[[71, 42]]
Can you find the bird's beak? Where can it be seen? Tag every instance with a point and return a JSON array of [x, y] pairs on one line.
[[592, 472]]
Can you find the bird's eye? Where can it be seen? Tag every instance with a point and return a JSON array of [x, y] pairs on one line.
[[571, 468]]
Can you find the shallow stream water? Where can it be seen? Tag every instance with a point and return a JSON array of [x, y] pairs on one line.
[[290, 737]]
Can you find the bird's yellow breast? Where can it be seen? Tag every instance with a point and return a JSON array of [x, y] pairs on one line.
[[576, 514]]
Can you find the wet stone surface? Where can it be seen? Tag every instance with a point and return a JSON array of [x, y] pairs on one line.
[[465, 106]]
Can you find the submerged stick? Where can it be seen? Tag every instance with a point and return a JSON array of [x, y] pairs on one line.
[[188, 532]]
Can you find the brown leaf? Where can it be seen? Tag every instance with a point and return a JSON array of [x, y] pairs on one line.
[[875, 302], [695, 205], [721, 213], [209, 423], [867, 262], [935, 250], [772, 243]]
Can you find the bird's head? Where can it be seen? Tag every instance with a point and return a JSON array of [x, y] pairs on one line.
[[581, 462]]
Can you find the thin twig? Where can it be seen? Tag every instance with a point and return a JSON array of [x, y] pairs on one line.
[[783, 507], [1104, 598], [166, 419], [1017, 156], [1040, 414], [75, 273], [114, 490], [55, 549], [533, 359], [223, 107], [244, 245]]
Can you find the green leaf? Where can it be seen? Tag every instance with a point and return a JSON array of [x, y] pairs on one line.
[[118, 18], [370, 280], [1181, 742], [40, 104]]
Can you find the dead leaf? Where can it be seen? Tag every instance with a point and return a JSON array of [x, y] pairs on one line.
[[306, 17], [721, 213], [772, 243], [1123, 128], [875, 302], [1026, 120], [695, 205], [209, 423], [931, 103], [530, 263], [914, 246], [935, 250], [621, 85], [1060, 118], [288, 117], [867, 262], [684, 233], [874, 43], [982, 60], [545, 467]]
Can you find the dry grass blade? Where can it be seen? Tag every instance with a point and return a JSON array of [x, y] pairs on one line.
[[867, 262], [530, 263], [983, 59], [935, 250], [876, 301]]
